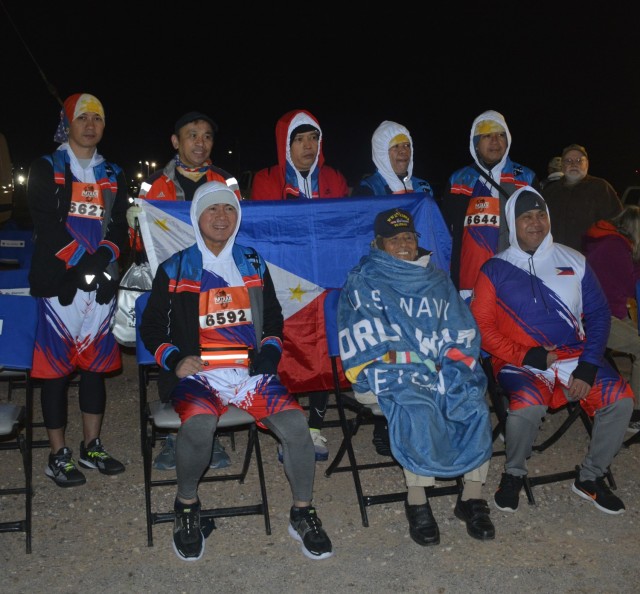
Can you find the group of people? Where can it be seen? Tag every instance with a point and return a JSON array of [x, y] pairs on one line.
[[533, 306]]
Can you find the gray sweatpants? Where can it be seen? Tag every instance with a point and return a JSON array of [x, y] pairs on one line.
[[195, 440], [609, 426]]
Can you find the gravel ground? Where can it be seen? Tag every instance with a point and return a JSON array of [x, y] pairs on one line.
[[93, 538]]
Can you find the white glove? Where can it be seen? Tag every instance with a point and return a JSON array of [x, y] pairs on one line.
[[133, 212]]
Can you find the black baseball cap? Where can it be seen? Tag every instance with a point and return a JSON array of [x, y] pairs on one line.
[[192, 116]]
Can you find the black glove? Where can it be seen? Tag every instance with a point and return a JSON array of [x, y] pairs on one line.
[[107, 288], [68, 287], [266, 361], [536, 357], [91, 266], [586, 372]]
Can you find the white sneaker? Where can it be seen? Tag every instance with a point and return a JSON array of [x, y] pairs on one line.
[[322, 451]]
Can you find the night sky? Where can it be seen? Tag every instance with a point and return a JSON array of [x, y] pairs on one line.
[[559, 76]]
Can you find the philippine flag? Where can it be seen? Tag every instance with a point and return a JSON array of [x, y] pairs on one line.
[[309, 246], [565, 271]]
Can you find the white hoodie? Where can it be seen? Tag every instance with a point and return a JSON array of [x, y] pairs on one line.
[[496, 171], [223, 265], [380, 140]]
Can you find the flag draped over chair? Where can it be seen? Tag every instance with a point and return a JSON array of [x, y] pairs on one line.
[[309, 246]]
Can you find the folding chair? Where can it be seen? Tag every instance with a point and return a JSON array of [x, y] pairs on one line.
[[17, 336], [16, 248], [363, 414], [14, 281], [499, 405], [157, 417]]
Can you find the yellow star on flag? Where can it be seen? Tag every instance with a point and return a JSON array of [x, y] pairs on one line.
[[162, 223], [296, 293]]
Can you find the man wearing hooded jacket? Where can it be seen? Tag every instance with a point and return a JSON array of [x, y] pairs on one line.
[[545, 321], [217, 295], [302, 173], [473, 203]]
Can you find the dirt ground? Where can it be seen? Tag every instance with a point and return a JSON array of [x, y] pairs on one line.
[[93, 538]]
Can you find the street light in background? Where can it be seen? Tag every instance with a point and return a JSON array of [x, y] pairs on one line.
[[150, 165]]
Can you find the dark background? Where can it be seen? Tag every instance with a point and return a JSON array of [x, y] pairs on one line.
[[559, 72]]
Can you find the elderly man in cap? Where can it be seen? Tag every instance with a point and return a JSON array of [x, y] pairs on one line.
[[190, 168], [77, 200], [248, 321], [579, 199], [544, 320], [409, 341], [473, 203]]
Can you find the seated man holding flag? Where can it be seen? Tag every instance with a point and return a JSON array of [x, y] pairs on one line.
[[217, 294]]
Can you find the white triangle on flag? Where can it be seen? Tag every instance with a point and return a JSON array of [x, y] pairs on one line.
[[162, 234], [294, 292]]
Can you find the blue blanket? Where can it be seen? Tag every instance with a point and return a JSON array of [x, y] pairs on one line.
[[407, 336]]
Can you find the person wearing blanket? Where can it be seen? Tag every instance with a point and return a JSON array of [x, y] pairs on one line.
[[409, 342]]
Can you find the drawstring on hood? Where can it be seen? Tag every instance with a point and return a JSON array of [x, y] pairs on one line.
[[380, 145]]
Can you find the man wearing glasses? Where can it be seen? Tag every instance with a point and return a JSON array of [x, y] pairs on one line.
[[578, 200]]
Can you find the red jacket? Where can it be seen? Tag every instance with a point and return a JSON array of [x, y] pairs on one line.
[[271, 183]]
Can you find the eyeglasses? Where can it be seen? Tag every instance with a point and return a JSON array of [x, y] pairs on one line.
[[578, 161]]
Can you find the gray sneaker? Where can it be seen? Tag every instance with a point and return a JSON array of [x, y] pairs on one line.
[[634, 427], [219, 457], [166, 459], [62, 469]]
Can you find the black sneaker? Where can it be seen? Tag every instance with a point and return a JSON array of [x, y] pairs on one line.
[[508, 494], [188, 540], [599, 493], [305, 526], [94, 456], [62, 469]]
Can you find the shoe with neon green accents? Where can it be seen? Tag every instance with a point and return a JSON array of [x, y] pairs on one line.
[[96, 457]]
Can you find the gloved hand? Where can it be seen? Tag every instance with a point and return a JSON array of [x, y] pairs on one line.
[[68, 287], [133, 212], [90, 268], [266, 361], [107, 288]]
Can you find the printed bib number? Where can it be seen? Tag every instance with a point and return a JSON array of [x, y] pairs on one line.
[[224, 307], [483, 212], [86, 201]]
